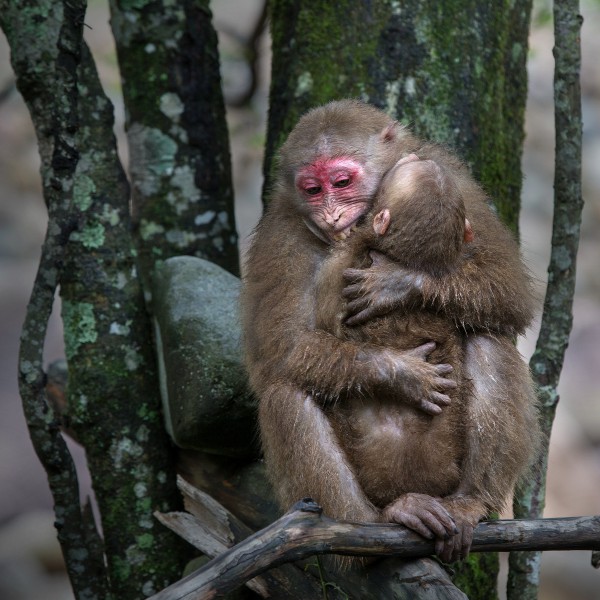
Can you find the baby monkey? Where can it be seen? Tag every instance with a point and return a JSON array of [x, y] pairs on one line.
[[420, 468]]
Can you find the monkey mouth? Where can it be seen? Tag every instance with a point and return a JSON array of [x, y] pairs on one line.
[[339, 236]]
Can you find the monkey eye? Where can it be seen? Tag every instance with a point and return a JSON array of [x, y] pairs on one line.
[[342, 183], [313, 190]]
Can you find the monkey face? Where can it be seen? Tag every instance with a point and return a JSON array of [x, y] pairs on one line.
[[334, 193]]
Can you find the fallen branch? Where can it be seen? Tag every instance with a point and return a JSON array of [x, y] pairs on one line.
[[210, 527], [304, 531]]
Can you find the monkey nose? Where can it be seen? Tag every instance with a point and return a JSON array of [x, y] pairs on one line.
[[332, 218]]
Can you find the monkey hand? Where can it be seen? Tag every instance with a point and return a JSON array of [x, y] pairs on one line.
[[379, 289], [421, 384], [466, 513], [423, 514]]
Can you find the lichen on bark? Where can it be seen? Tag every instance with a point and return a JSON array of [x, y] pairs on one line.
[[180, 164], [454, 72], [113, 397]]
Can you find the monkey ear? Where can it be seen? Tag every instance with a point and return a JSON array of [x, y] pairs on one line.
[[381, 222], [389, 132], [407, 159], [469, 235]]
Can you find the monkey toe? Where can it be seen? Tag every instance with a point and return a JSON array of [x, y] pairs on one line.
[[456, 547], [424, 351], [445, 384], [416, 524], [353, 275]]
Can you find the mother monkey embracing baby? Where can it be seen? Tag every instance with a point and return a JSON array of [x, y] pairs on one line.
[[350, 413]]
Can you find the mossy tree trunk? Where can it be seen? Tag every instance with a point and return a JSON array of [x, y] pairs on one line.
[[454, 71], [179, 148], [113, 397]]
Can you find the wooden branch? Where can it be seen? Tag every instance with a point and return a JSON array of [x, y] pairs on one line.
[[212, 529], [304, 531]]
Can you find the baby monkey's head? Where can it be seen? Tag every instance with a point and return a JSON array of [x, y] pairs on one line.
[[419, 216]]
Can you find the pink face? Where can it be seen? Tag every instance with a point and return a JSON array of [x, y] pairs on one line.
[[336, 192]]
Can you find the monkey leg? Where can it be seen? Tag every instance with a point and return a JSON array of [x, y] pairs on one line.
[[503, 430], [502, 434], [304, 458]]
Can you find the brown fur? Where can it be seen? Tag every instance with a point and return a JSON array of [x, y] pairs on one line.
[[393, 447], [298, 371]]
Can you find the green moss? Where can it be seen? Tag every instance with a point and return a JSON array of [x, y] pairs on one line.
[[477, 576], [145, 541], [121, 568], [110, 215], [144, 505], [134, 4], [37, 42], [145, 412], [149, 229], [91, 236]]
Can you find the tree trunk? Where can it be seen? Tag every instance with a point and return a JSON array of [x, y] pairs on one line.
[[547, 360], [179, 150], [454, 71], [113, 388]]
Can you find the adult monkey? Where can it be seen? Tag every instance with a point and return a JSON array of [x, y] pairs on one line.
[[328, 172]]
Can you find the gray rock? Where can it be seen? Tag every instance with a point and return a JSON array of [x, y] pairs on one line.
[[206, 401]]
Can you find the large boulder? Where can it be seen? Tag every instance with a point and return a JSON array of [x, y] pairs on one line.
[[206, 400]]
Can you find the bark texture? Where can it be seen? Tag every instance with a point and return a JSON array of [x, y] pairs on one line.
[[454, 71], [179, 150], [547, 360], [113, 391]]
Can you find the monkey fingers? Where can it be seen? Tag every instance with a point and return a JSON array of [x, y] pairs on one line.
[[423, 514], [466, 511], [379, 289], [456, 547], [433, 407], [423, 383]]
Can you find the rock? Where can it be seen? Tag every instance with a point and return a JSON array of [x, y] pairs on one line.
[[206, 400]]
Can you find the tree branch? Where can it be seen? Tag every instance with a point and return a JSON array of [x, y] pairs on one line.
[[56, 125], [547, 360], [304, 531]]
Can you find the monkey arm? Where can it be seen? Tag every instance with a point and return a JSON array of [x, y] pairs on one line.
[[282, 343], [329, 368], [488, 290]]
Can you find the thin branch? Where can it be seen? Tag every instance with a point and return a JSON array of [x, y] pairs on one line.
[[304, 531], [547, 360], [60, 122]]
